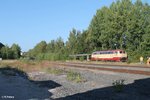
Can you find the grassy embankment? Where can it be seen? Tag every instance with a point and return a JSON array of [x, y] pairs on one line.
[[30, 66]]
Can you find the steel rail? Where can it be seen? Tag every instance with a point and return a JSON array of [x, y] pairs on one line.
[[140, 72]]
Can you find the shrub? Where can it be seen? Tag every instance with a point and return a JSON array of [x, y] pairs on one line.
[[81, 59]]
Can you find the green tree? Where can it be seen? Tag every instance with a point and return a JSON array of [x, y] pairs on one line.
[[40, 47], [51, 46], [70, 44], [16, 51], [6, 52]]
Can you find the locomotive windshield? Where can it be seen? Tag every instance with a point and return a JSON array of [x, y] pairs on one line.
[[122, 51]]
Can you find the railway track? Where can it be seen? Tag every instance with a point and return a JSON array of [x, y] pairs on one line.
[[111, 64], [142, 70]]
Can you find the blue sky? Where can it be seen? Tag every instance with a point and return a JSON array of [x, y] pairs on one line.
[[27, 22]]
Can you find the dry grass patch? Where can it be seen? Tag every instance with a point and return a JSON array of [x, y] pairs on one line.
[[55, 71], [75, 77]]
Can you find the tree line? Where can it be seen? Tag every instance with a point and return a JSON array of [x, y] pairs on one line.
[[58, 49], [123, 25], [13, 52]]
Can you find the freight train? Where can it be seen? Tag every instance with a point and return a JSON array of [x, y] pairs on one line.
[[109, 55]]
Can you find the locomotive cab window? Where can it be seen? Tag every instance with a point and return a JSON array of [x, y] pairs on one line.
[[122, 52]]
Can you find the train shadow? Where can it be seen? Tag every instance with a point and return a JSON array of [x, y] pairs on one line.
[[139, 90], [15, 84]]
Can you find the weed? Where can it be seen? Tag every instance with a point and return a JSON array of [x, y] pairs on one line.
[[74, 76], [118, 85]]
